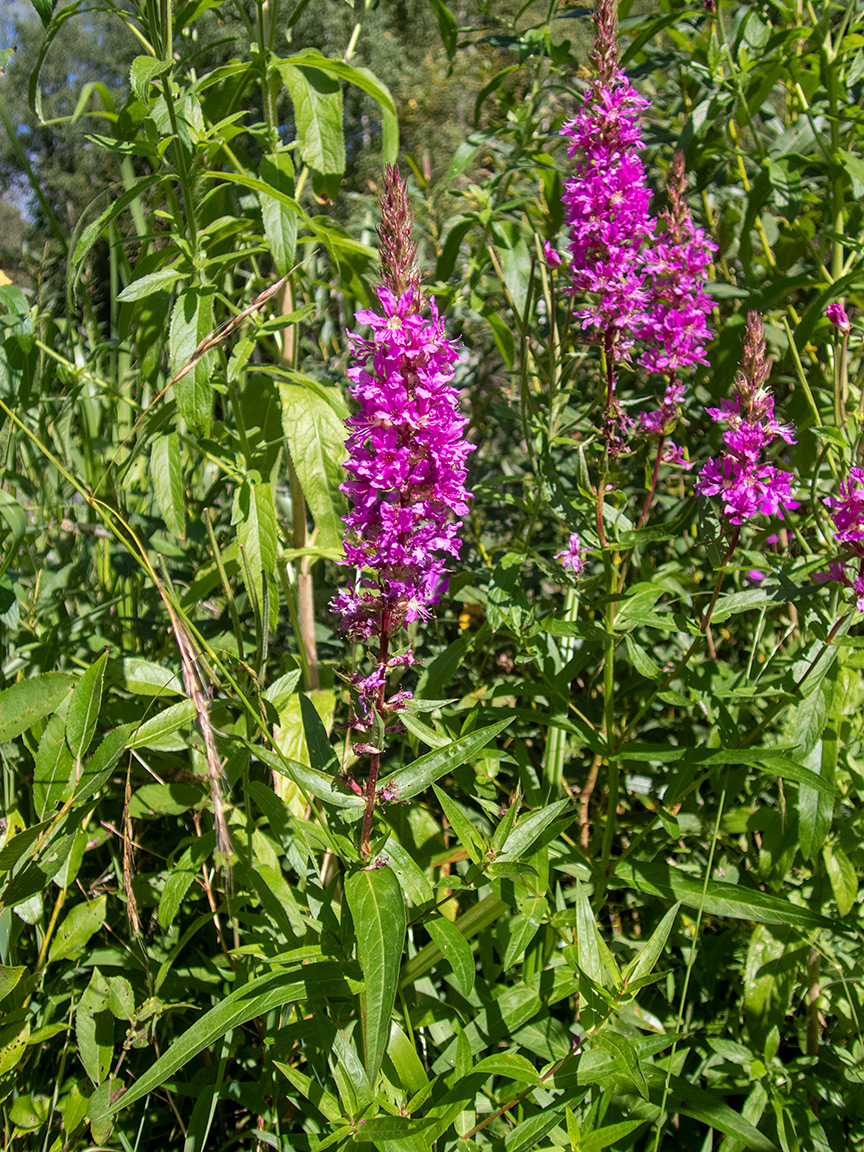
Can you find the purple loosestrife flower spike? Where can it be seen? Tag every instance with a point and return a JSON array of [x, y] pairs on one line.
[[747, 486], [606, 200], [406, 467]]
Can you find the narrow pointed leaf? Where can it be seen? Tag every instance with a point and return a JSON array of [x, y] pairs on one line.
[[380, 922], [416, 777]]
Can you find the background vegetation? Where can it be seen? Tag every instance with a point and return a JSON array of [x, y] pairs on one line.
[[183, 916]]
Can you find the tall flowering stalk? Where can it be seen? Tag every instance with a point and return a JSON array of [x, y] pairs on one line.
[[747, 485], [643, 285], [407, 467], [676, 329], [606, 203]]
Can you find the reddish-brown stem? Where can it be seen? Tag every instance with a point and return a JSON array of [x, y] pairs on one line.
[[647, 505], [375, 757]]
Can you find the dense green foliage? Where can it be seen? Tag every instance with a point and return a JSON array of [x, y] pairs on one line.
[[618, 903]]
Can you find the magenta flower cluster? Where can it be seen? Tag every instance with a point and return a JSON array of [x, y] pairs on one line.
[[606, 202], [644, 280], [746, 484], [847, 512], [406, 466]]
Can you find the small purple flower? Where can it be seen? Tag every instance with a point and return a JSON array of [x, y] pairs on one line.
[[553, 260], [747, 486], [573, 556], [838, 318], [755, 577]]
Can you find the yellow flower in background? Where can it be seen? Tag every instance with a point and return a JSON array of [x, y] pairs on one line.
[[4, 279]]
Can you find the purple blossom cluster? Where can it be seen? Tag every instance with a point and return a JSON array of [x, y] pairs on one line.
[[573, 556], [606, 203], [847, 512], [676, 329], [746, 485], [406, 463], [644, 280]]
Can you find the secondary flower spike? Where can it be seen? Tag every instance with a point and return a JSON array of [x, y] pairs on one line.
[[747, 486], [406, 465]]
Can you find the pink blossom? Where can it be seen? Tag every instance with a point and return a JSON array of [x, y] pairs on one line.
[[838, 317], [573, 556]]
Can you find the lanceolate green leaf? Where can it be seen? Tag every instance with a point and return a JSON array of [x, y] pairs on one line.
[[167, 471], [25, 703], [83, 710], [455, 949], [720, 898], [418, 775], [255, 998], [314, 783], [380, 921], [192, 322], [280, 221]]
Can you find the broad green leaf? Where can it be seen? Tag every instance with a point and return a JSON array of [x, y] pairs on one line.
[[280, 221], [154, 731], [625, 1057], [316, 442], [77, 928], [101, 764], [406, 1062], [774, 761], [413, 879], [177, 884], [380, 922], [146, 678], [317, 100], [166, 471], [455, 949], [94, 1029], [99, 1108], [589, 960], [83, 710], [25, 703], [153, 800], [53, 776], [257, 536], [508, 1064], [9, 978], [367, 81], [13, 1045], [255, 998], [322, 755], [191, 323], [161, 281], [417, 776], [144, 70], [720, 898], [843, 877]]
